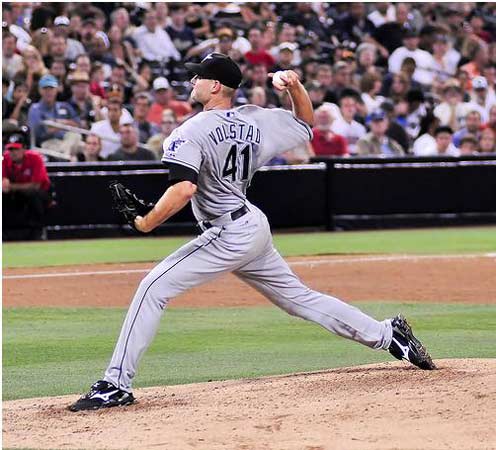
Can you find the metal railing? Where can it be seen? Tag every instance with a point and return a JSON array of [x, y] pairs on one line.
[[62, 126]]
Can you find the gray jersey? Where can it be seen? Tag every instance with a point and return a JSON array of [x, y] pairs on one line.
[[226, 147]]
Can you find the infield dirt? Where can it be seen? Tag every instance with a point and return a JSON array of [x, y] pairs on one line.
[[384, 406]]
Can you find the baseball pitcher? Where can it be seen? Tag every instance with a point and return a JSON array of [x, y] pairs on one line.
[[212, 158]]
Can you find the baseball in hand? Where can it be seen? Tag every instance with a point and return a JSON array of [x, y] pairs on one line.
[[279, 80]]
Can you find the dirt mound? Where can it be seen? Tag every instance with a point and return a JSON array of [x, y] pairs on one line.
[[381, 406]]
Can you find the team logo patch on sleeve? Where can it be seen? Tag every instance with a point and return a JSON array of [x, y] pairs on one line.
[[171, 150]]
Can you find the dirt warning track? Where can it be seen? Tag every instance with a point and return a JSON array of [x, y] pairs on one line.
[[428, 278]]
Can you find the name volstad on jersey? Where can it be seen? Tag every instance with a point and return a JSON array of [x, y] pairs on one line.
[[235, 131]]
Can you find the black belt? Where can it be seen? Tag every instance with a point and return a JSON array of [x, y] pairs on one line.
[[234, 216]]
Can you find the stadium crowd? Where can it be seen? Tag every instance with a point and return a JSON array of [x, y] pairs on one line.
[[106, 81]]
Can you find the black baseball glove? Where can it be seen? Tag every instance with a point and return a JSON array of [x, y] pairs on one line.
[[127, 204]]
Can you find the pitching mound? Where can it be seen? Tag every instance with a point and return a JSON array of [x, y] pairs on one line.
[[382, 406]]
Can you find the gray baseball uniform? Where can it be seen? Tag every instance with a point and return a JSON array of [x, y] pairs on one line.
[[225, 148]]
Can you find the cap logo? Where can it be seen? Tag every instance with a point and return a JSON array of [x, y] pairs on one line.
[[208, 57]]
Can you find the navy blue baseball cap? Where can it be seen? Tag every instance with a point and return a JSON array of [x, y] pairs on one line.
[[377, 115], [217, 66]]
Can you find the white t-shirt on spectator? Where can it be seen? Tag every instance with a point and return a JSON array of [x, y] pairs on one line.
[[443, 113], [448, 67], [372, 103], [483, 109], [423, 142], [423, 59], [155, 46], [351, 131], [103, 129], [378, 19], [432, 150]]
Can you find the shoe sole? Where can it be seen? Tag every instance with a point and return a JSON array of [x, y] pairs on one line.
[[422, 351], [102, 406]]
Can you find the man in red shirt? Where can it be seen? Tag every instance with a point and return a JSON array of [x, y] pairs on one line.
[[325, 142], [25, 186], [258, 54], [164, 99]]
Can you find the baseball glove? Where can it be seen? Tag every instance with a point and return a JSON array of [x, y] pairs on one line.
[[128, 204]]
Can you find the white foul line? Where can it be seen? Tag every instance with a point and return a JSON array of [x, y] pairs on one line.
[[307, 262]]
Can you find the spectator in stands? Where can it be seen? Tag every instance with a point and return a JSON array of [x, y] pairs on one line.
[[224, 42], [74, 48], [146, 129], [129, 150], [285, 57], [25, 186], [472, 127], [481, 98], [389, 36], [48, 108], [487, 141], [108, 129], [41, 40], [257, 76], [257, 97], [58, 48], [479, 59], [443, 145], [154, 42], [366, 58], [416, 111], [468, 145], [182, 36], [395, 130], [316, 92], [11, 61], [324, 77], [428, 125], [97, 81], [382, 13], [325, 142], [83, 63], [492, 118], [370, 85], [121, 49], [346, 125], [168, 125], [355, 26], [342, 77], [444, 59], [452, 111], [16, 111], [59, 70], [88, 32], [34, 68], [258, 54], [423, 60], [197, 20], [164, 99], [376, 142], [91, 150], [81, 101]]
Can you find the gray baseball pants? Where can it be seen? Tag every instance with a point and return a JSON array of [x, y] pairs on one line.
[[244, 247]]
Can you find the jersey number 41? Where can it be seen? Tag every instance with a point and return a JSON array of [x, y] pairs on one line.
[[231, 167]]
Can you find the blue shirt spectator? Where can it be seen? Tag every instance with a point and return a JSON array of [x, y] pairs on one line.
[[50, 109]]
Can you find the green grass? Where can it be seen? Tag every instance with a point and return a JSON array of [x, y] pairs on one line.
[[60, 351], [446, 240]]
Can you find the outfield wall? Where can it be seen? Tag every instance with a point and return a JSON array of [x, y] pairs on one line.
[[332, 193]]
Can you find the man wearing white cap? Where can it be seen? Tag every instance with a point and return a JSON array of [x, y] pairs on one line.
[[74, 47], [164, 99], [481, 98]]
